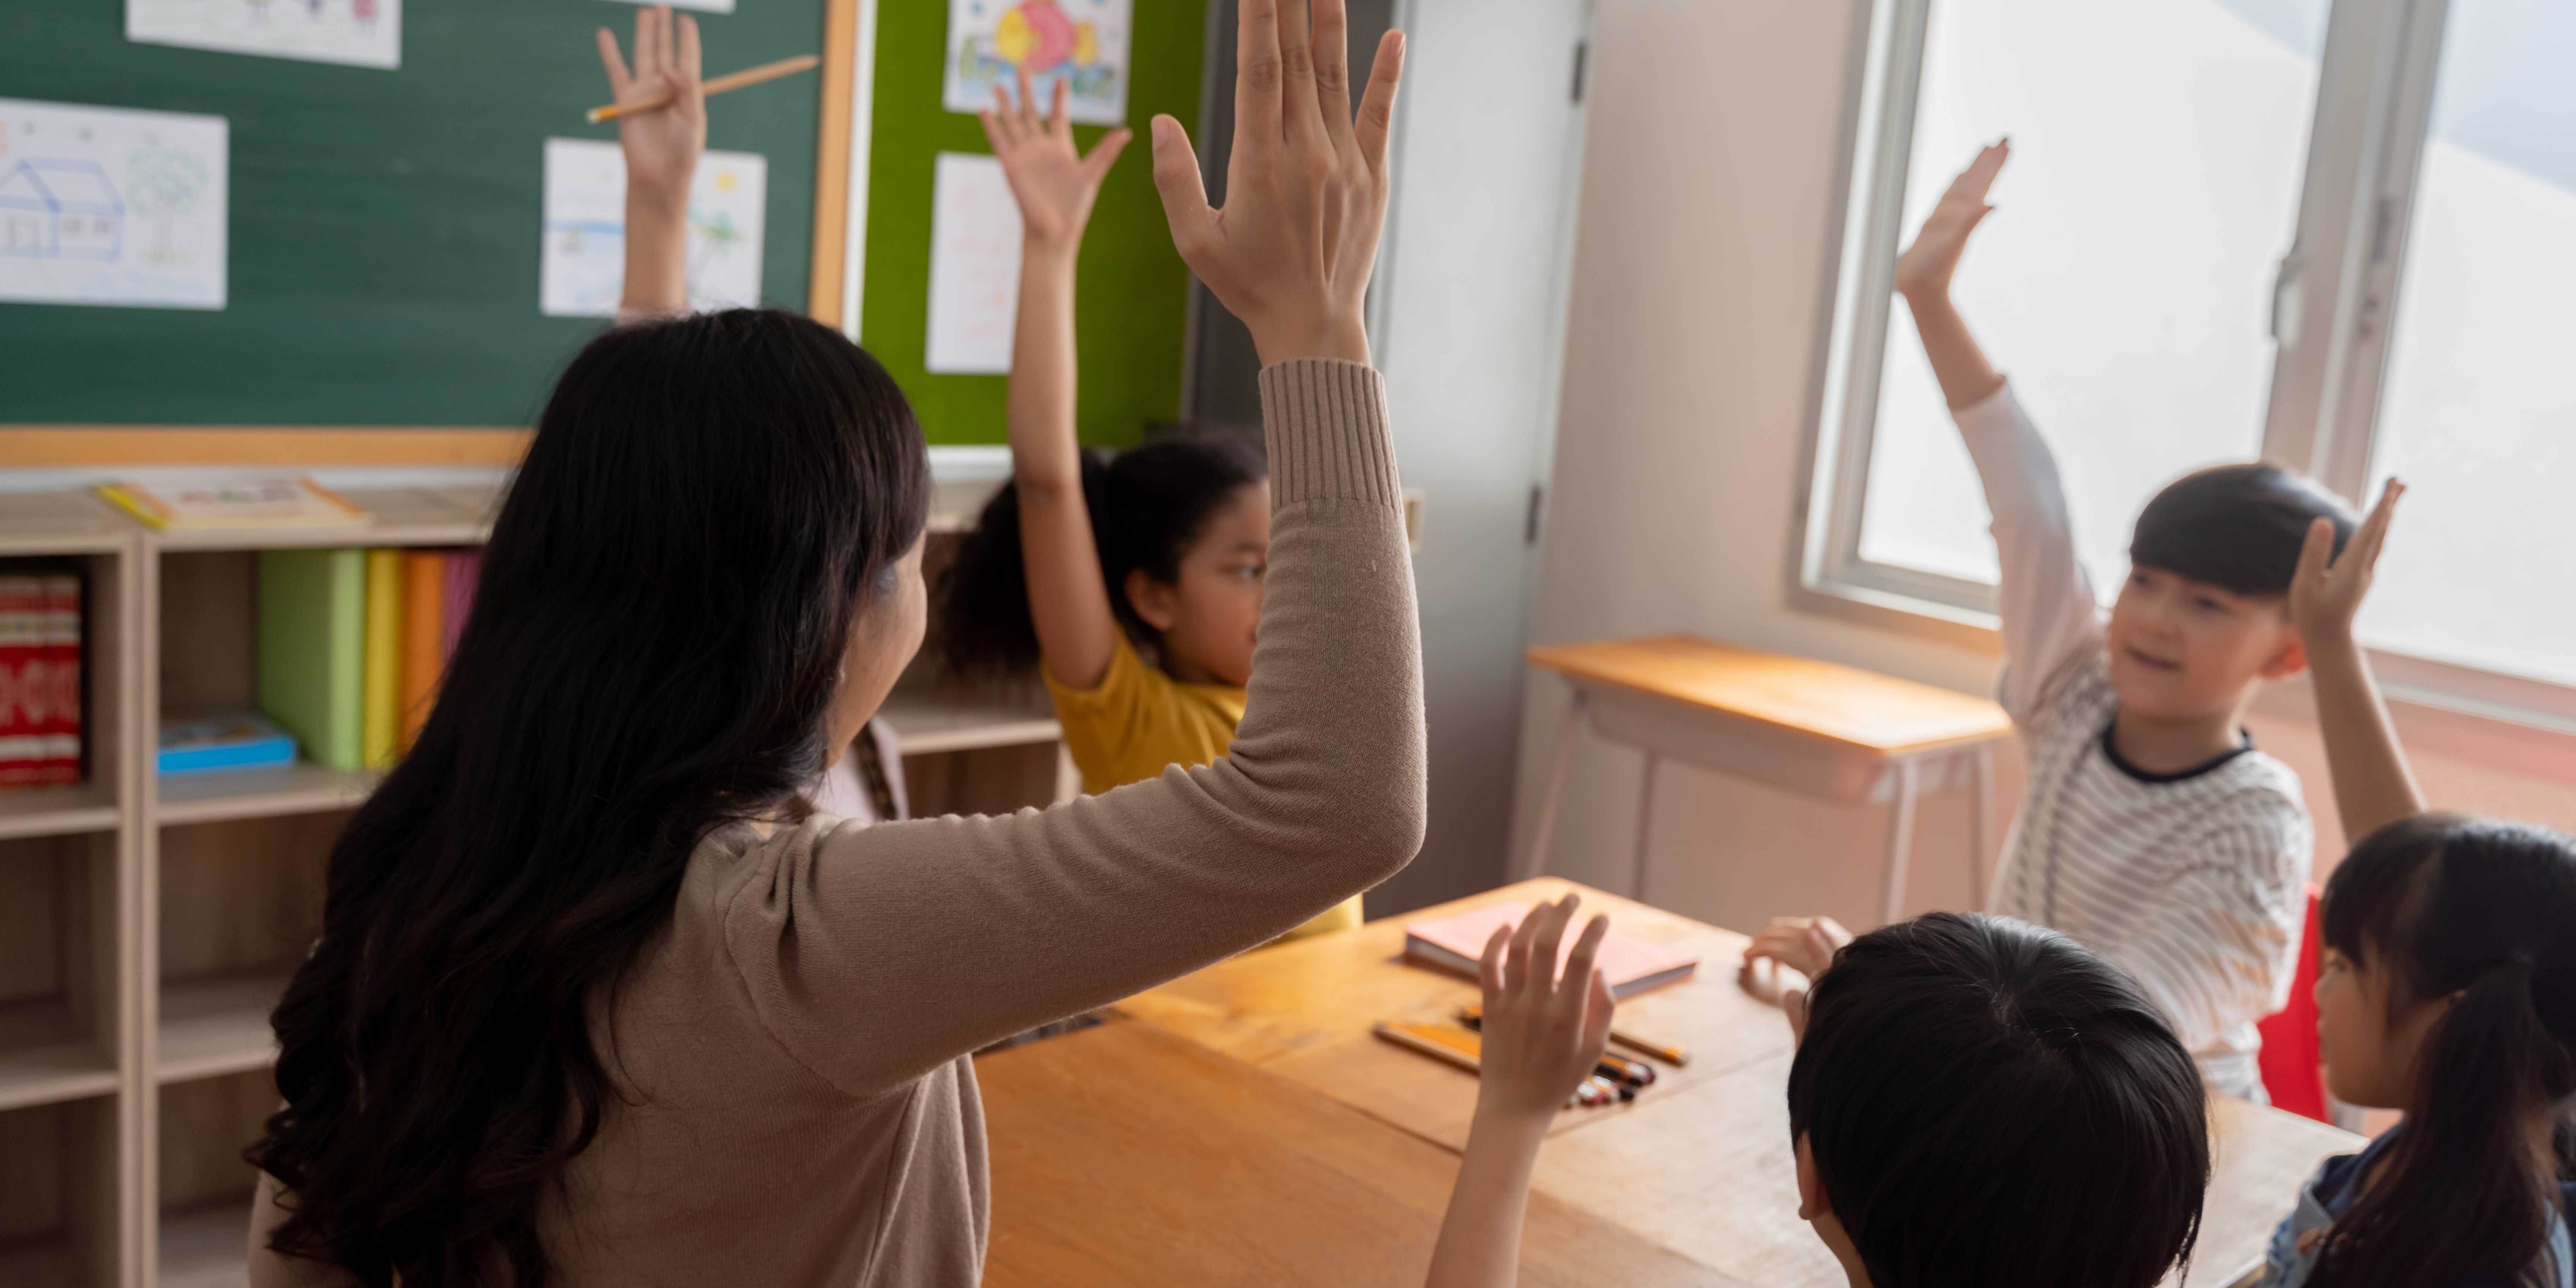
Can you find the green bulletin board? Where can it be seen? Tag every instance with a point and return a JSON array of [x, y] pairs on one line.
[[384, 234], [1131, 304]]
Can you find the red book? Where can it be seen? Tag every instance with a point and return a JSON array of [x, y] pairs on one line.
[[64, 726], [1457, 943], [22, 738]]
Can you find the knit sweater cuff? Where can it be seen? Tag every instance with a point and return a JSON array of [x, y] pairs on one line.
[[1326, 422]]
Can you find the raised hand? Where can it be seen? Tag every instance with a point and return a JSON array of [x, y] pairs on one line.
[[662, 145], [1542, 1032], [1803, 944], [1054, 184], [1306, 185], [1927, 266], [2327, 590]]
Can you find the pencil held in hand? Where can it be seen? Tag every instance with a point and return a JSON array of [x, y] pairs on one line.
[[730, 80]]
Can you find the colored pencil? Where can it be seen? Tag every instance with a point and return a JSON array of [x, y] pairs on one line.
[[730, 80]]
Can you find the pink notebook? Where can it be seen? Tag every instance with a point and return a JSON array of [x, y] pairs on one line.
[[1632, 965]]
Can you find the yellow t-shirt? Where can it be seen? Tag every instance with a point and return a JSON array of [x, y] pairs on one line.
[[1138, 720]]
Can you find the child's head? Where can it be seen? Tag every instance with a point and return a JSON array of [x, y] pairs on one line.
[[2204, 612], [1183, 530], [1980, 1101], [2449, 990]]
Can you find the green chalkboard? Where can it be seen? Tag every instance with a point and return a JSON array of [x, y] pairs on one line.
[[1131, 305], [384, 224]]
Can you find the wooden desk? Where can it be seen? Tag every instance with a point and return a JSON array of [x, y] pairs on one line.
[[1812, 727], [1304, 1011], [1125, 1155], [1700, 1164]]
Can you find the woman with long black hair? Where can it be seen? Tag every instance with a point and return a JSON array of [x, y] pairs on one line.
[[593, 1005]]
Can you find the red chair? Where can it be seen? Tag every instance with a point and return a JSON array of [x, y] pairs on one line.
[[2293, 1068]]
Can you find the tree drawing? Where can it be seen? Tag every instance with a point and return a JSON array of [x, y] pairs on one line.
[[163, 183]]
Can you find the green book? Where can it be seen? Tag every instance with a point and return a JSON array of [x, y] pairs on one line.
[[312, 647]]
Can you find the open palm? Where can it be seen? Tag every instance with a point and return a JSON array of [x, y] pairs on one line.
[[1927, 265], [661, 144], [1054, 184]]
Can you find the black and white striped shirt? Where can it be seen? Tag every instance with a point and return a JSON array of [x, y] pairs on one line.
[[2195, 883]]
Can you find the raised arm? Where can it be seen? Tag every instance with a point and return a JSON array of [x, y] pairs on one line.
[[875, 954], [2046, 602], [662, 146], [1542, 1036], [1055, 186], [2372, 784]]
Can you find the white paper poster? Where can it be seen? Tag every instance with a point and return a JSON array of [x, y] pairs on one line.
[[1080, 42], [101, 205], [702, 6], [367, 33], [583, 270], [974, 266]]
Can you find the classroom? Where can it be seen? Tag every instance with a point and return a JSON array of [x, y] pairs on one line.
[[1748, 643]]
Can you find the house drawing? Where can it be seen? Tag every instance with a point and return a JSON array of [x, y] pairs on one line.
[[60, 210]]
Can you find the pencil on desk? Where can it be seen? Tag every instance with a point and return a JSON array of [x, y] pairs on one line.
[[1426, 1046], [1671, 1055], [730, 80]]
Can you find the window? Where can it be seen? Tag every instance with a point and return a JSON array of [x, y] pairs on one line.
[[2340, 234]]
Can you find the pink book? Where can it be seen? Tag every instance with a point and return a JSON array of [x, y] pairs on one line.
[[1457, 943], [464, 567]]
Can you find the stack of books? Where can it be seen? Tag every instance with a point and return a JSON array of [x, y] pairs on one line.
[[352, 644], [40, 679]]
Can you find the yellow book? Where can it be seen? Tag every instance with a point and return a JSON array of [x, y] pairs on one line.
[[380, 705]]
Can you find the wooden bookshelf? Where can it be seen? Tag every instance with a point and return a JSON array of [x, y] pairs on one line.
[[148, 926]]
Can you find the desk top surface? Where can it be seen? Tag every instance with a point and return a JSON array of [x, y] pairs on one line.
[[1699, 1164], [1126, 1155], [1802, 695]]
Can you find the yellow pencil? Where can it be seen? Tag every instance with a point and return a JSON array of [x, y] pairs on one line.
[[730, 80]]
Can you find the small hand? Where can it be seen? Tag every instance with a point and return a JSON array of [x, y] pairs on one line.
[[1054, 185], [1926, 266], [1291, 251], [1542, 1034], [2326, 591], [1804, 944], [661, 144]]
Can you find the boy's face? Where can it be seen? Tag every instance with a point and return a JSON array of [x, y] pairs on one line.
[[1208, 616], [2184, 649]]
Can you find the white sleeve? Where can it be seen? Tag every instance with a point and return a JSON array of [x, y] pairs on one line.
[[2219, 947], [2049, 613]]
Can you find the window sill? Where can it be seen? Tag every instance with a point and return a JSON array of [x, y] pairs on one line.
[[2483, 726]]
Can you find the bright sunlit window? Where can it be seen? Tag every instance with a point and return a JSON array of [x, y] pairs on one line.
[[2172, 279], [2478, 408]]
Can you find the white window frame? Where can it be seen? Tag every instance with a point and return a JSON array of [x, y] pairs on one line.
[[2333, 300]]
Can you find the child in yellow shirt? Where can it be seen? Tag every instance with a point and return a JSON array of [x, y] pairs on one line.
[[1166, 543]]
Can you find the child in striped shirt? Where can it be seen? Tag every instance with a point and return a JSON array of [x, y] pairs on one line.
[[2150, 829]]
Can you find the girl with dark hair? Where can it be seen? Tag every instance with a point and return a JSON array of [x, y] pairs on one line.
[[1079, 561], [2448, 990], [594, 1003]]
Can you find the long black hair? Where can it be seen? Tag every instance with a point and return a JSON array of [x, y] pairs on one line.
[[1147, 505], [654, 651], [2480, 917], [1990, 1103]]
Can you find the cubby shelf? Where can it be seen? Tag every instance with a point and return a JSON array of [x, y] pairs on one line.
[[300, 788], [58, 811], [45, 1073], [927, 723], [136, 1040], [204, 1246], [217, 1025]]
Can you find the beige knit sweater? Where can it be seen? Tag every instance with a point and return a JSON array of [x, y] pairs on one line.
[[802, 1108]]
